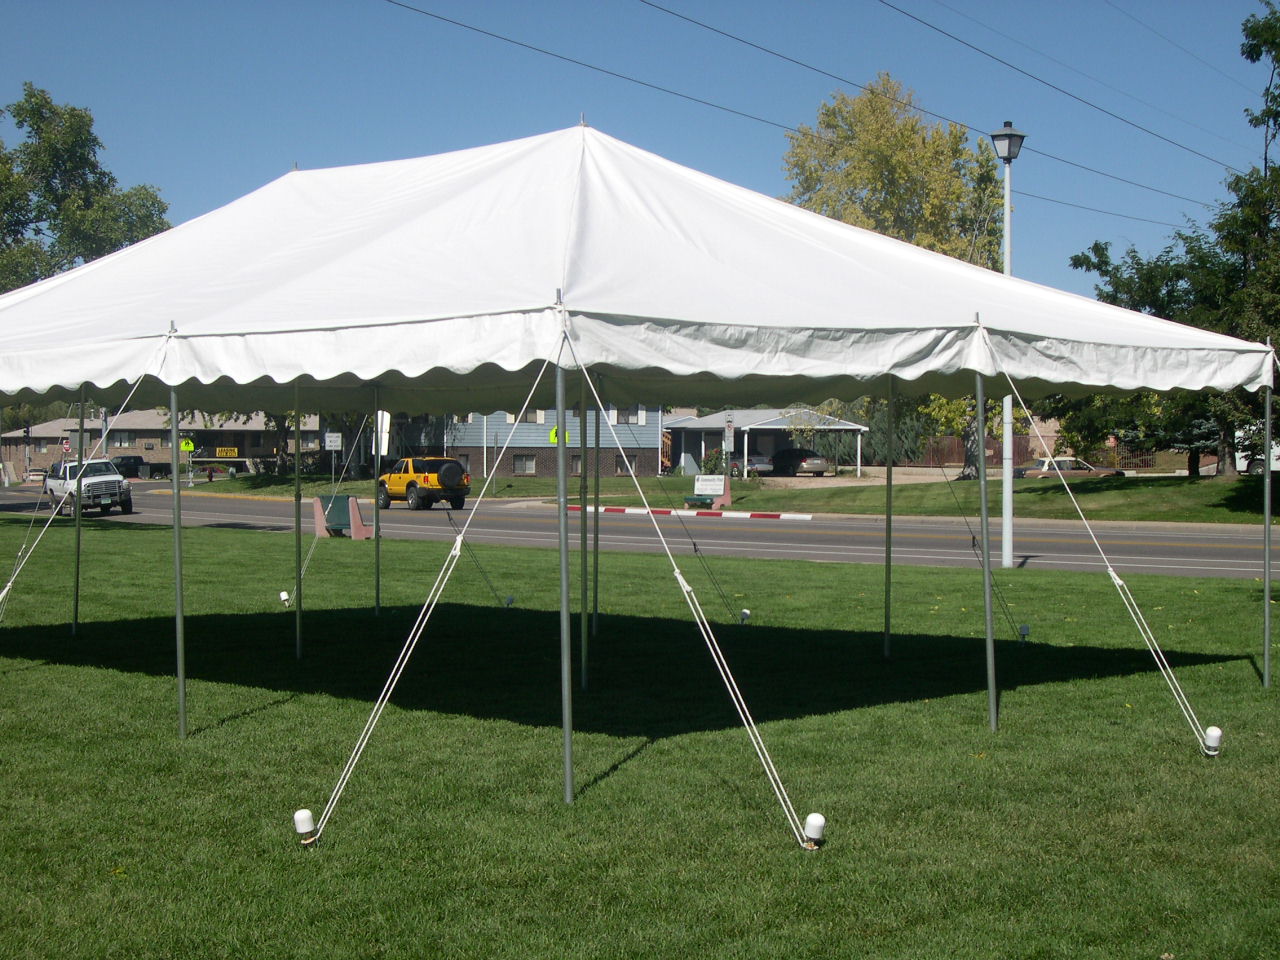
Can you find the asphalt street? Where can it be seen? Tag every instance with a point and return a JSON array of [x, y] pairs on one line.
[[1218, 550]]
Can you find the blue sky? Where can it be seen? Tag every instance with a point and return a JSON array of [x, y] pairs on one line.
[[208, 101]]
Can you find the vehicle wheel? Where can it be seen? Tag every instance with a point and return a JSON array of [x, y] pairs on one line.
[[450, 474], [126, 506], [413, 498], [1255, 468], [457, 502], [384, 498]]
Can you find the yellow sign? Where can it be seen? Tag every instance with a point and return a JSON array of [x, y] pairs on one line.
[[187, 445], [552, 437], [228, 451]]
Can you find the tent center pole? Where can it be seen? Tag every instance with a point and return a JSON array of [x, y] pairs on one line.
[[981, 415], [566, 650], [889, 453], [1266, 537], [585, 610], [75, 590], [179, 617], [595, 530], [297, 522], [1006, 488], [377, 512]]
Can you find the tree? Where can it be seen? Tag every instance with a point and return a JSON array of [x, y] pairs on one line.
[[875, 162], [59, 207]]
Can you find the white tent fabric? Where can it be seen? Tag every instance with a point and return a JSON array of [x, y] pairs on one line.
[[437, 279]]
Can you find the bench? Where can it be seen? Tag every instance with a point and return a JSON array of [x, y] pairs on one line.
[[339, 517], [701, 502]]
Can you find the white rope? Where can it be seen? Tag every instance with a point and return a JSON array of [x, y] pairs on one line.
[[708, 635], [1131, 604], [415, 634], [25, 552]]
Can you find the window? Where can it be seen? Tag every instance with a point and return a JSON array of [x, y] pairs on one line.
[[633, 415], [42, 446], [124, 438], [524, 464], [621, 463], [575, 465], [532, 416]]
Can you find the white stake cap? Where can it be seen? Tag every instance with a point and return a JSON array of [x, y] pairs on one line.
[[303, 821], [1212, 741], [815, 825]]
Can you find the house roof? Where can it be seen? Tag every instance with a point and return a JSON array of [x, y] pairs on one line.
[[152, 420], [769, 419]]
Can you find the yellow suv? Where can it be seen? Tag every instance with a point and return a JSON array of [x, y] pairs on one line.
[[422, 482]]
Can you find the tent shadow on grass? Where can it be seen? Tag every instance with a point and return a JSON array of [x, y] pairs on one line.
[[650, 677]]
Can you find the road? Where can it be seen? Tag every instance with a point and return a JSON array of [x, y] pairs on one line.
[[1227, 550]]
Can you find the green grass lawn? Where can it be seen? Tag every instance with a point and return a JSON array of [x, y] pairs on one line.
[[1180, 499], [1089, 826]]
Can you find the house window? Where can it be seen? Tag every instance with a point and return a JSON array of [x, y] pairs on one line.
[[575, 465], [42, 446], [531, 416], [629, 414], [124, 438], [621, 463], [524, 464]]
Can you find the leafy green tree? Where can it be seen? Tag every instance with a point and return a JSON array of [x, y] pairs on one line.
[[59, 207], [875, 162]]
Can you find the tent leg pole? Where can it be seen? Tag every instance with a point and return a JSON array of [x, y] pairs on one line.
[[75, 590], [566, 650], [981, 414], [585, 615], [890, 452], [1266, 541], [377, 512], [179, 617], [1006, 489], [595, 531], [297, 523]]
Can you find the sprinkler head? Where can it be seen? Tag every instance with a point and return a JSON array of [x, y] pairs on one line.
[[744, 615]]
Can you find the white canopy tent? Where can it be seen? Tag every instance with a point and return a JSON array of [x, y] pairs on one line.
[[429, 283]]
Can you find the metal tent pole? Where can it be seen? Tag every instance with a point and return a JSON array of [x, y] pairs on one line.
[[566, 651], [1006, 488], [179, 616], [585, 613], [1266, 539], [297, 522], [377, 511], [981, 413], [595, 530], [890, 452], [79, 511]]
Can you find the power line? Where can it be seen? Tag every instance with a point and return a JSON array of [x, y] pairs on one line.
[[721, 107], [1053, 86], [1109, 213], [1174, 43], [1088, 76], [972, 129]]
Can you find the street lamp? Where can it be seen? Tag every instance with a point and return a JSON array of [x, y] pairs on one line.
[[1008, 144]]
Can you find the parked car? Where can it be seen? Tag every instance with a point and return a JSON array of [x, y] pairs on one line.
[[787, 463], [100, 486], [757, 464], [1067, 466], [135, 466], [422, 482]]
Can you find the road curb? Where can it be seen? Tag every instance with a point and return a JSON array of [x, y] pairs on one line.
[[669, 512]]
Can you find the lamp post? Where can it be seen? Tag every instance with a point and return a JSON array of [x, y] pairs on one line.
[[1008, 143]]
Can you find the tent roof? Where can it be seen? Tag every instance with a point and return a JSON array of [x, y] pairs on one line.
[[453, 277]]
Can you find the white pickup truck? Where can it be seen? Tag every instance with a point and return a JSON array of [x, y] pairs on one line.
[[101, 486]]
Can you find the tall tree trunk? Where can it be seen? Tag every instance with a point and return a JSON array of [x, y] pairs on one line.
[[1226, 451], [1193, 463], [973, 450]]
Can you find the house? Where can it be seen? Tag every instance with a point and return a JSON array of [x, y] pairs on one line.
[[146, 433], [478, 439], [753, 432]]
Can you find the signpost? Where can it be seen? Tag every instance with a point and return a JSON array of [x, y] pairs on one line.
[[333, 443]]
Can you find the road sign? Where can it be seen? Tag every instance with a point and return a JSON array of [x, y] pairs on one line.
[[66, 446], [228, 452], [333, 441], [187, 445]]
